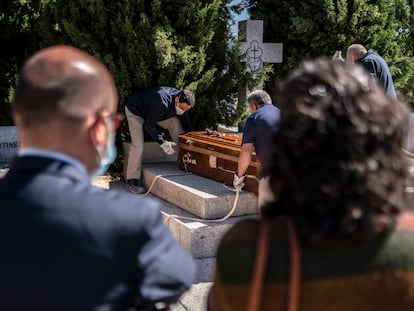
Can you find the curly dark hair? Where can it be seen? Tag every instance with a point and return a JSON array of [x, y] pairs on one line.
[[337, 165]]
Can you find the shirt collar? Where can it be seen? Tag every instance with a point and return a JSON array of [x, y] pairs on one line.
[[23, 152]]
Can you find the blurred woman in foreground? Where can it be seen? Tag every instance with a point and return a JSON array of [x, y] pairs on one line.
[[337, 172]]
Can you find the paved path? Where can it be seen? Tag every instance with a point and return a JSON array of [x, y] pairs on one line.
[[195, 298]]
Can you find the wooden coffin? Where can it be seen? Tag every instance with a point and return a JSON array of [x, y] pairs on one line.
[[215, 155]]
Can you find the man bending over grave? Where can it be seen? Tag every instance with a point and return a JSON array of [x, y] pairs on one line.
[[160, 106]]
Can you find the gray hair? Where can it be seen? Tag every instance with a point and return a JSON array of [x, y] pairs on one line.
[[259, 97], [188, 97]]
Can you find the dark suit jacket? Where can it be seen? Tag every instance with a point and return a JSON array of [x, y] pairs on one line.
[[67, 245], [154, 105]]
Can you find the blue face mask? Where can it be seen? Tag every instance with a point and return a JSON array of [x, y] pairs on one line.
[[108, 158], [179, 111]]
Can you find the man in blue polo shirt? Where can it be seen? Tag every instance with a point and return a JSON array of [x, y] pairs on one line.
[[147, 109], [260, 124], [375, 65]]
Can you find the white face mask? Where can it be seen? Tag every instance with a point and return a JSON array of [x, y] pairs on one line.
[[108, 157], [178, 110]]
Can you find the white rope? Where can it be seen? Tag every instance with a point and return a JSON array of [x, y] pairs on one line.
[[232, 172], [229, 214], [165, 175], [167, 219]]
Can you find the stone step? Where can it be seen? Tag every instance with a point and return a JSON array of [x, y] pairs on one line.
[[199, 198], [197, 195], [152, 154], [199, 236]]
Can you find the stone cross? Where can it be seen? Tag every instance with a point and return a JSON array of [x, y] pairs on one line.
[[256, 52]]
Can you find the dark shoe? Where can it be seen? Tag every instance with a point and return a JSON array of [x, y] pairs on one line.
[[134, 186]]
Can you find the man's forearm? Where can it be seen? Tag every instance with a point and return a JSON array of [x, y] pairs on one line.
[[244, 160], [153, 132]]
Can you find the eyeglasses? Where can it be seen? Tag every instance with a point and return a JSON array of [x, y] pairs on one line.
[[116, 119]]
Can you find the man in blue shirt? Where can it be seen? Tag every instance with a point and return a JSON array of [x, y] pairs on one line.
[[374, 64], [260, 124], [147, 109]]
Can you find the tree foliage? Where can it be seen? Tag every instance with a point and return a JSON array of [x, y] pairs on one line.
[[144, 43], [16, 18], [316, 28]]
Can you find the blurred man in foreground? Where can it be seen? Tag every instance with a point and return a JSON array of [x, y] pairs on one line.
[[68, 245]]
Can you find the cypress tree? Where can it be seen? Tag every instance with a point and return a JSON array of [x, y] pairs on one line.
[[16, 18], [179, 43], [316, 28]]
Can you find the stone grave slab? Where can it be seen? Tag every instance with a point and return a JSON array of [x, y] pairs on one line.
[[200, 196]]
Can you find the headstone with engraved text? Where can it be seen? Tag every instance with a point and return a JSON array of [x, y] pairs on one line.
[[9, 143]]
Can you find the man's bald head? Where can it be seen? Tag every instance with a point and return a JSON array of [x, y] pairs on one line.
[[355, 51], [62, 82]]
